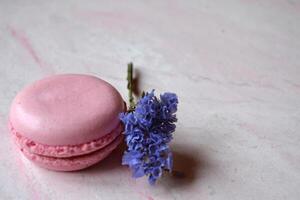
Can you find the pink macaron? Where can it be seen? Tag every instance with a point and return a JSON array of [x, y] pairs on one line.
[[67, 122]]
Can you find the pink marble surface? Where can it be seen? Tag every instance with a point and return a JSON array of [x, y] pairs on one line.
[[234, 64]]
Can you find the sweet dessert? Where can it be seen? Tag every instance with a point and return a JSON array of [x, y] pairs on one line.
[[67, 122]]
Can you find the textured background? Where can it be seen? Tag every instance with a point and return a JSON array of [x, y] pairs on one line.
[[234, 64]]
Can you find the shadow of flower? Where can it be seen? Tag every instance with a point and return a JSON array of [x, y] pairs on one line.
[[187, 168], [136, 83]]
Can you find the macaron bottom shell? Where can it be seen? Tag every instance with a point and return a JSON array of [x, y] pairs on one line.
[[72, 163]]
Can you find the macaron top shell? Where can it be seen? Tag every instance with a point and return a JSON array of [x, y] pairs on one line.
[[66, 109]]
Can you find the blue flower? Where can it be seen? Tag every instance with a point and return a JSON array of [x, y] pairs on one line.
[[148, 130]]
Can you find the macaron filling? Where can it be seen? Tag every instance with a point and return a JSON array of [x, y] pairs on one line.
[[73, 163], [64, 151]]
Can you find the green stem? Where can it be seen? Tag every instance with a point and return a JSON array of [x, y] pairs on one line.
[[130, 86]]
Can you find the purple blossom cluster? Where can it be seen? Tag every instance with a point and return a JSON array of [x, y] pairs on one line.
[[148, 131]]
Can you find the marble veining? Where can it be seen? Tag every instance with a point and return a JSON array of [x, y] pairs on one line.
[[235, 66]]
